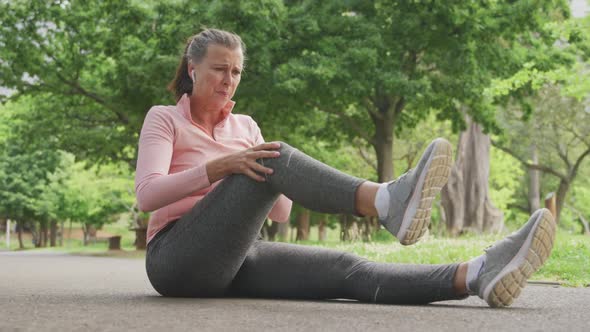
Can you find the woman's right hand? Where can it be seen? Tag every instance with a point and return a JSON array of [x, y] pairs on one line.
[[243, 162]]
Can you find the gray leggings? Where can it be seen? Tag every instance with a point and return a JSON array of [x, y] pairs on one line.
[[214, 250]]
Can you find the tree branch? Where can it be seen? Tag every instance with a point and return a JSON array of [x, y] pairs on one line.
[[367, 159], [370, 106], [399, 105], [77, 87], [542, 168], [353, 125], [582, 138], [519, 207], [576, 166], [563, 155]]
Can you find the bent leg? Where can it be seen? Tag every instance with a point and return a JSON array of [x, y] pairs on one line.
[[200, 254], [280, 270], [312, 183]]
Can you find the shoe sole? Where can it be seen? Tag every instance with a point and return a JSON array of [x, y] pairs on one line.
[[508, 284], [433, 177]]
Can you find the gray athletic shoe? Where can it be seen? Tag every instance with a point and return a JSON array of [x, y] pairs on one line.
[[411, 194], [511, 261]]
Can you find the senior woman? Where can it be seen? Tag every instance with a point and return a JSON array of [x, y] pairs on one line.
[[211, 182]]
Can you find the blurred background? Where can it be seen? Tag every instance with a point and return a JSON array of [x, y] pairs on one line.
[[363, 86]]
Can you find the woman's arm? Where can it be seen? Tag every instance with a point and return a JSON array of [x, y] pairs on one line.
[[154, 187]]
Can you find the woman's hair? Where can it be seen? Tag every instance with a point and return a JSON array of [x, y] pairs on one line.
[[195, 50]]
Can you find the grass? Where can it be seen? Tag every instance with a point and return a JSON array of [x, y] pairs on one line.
[[569, 263]]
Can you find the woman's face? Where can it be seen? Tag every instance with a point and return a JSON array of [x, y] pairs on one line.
[[217, 76]]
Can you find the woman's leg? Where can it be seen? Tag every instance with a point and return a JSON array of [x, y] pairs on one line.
[[294, 271], [202, 252]]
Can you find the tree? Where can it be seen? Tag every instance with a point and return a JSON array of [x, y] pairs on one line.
[[554, 102], [559, 127], [24, 171], [51, 205], [94, 67], [96, 196], [97, 67], [465, 198], [380, 66]]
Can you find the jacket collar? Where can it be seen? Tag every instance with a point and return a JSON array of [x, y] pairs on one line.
[[184, 106]]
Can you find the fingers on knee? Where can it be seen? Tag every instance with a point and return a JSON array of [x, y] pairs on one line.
[[286, 151], [284, 147]]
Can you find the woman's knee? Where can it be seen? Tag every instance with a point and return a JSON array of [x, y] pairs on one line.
[[286, 152], [286, 149]]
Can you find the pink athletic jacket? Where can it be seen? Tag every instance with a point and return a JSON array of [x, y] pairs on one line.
[[173, 150]]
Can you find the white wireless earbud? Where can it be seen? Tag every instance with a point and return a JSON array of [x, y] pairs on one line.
[[193, 75]]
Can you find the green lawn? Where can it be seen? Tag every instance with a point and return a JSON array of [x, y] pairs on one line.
[[569, 262]]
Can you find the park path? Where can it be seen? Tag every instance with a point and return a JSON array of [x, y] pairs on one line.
[[60, 292]]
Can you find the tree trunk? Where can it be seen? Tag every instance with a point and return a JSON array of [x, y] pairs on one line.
[[272, 230], [61, 233], [534, 184], [384, 146], [283, 231], [303, 225], [465, 198], [36, 235], [19, 225], [322, 228], [89, 233], [349, 230], [370, 225], [84, 235], [585, 226], [345, 222], [70, 232], [141, 232], [562, 190], [53, 233], [44, 234]]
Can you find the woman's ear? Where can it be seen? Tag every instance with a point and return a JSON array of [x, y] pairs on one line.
[[193, 75]]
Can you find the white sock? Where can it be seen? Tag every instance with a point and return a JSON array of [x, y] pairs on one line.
[[382, 201], [474, 268]]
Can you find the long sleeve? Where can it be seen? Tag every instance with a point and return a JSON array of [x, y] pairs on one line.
[[282, 209], [154, 187]]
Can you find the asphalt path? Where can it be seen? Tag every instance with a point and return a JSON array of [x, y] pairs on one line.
[[60, 292]]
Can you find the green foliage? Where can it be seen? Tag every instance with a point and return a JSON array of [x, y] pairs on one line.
[[559, 127], [24, 169], [93, 67], [505, 180], [407, 55], [95, 197], [39, 184], [553, 64], [322, 75]]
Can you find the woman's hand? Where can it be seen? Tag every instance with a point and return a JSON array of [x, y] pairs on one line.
[[243, 162]]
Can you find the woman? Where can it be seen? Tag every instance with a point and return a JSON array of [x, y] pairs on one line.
[[211, 181]]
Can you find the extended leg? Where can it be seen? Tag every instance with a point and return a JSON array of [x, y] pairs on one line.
[[280, 270]]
